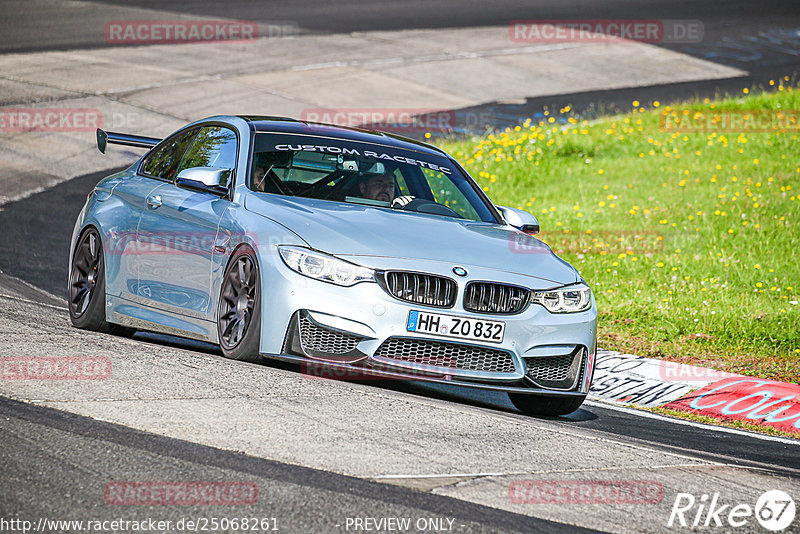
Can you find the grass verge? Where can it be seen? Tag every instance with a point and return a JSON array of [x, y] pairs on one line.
[[688, 238], [732, 423]]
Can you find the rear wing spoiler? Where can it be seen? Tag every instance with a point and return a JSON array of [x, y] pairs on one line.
[[139, 141]]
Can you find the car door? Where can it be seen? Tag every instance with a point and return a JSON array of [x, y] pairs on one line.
[[179, 230], [123, 249]]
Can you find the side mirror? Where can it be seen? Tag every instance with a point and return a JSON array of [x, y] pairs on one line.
[[520, 219], [210, 179]]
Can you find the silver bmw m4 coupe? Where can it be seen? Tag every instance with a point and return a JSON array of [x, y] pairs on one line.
[[334, 248]]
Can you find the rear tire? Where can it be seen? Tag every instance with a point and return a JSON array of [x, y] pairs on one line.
[[545, 405], [239, 309], [87, 287]]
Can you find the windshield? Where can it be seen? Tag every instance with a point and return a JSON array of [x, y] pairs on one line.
[[363, 173]]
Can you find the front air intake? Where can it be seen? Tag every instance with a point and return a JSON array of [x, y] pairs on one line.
[[557, 372]]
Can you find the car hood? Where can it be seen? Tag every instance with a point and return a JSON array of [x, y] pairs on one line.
[[354, 230]]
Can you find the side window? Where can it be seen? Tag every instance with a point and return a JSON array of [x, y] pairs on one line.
[[213, 146], [163, 161]]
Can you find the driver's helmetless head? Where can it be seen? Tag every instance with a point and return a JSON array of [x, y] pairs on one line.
[[378, 187]]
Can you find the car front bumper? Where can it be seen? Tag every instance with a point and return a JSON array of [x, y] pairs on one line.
[[357, 321]]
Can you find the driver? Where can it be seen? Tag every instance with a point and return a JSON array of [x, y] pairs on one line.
[[379, 187]]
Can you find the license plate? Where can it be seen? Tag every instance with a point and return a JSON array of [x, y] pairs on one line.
[[458, 327]]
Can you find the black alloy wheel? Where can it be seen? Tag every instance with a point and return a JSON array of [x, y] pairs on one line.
[[86, 263], [87, 287], [239, 312]]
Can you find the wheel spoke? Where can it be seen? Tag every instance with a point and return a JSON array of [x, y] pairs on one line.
[[248, 279], [240, 272], [239, 331], [79, 295], [81, 266], [229, 327], [86, 254], [93, 246], [236, 283], [82, 300], [228, 296]]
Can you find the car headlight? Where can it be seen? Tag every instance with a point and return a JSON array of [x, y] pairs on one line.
[[320, 266], [570, 299]]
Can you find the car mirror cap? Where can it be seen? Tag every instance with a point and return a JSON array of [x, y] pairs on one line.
[[211, 177], [520, 219]]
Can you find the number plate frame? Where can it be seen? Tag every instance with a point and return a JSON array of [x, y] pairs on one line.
[[446, 323]]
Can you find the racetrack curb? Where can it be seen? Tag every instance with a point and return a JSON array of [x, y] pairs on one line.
[[647, 383]]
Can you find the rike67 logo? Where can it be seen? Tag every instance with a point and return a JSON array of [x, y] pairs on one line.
[[774, 510]]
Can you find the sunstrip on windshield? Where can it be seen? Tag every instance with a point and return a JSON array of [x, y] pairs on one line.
[[365, 153]]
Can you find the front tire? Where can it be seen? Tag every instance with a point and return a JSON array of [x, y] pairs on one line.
[[87, 287], [545, 405], [239, 309]]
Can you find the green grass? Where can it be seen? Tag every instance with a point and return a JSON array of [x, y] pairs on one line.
[[689, 240]]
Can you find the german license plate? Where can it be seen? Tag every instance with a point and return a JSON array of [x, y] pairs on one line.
[[453, 326]]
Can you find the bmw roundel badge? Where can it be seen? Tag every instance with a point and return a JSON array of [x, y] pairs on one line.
[[460, 271]]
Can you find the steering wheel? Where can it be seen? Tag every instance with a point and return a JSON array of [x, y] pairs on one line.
[[420, 205]]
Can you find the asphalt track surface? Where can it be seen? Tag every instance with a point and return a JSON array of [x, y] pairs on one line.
[[49, 25], [88, 453], [762, 38], [34, 246]]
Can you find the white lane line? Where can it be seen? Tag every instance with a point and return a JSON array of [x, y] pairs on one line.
[[714, 428], [712, 465], [27, 301], [699, 463], [452, 475]]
